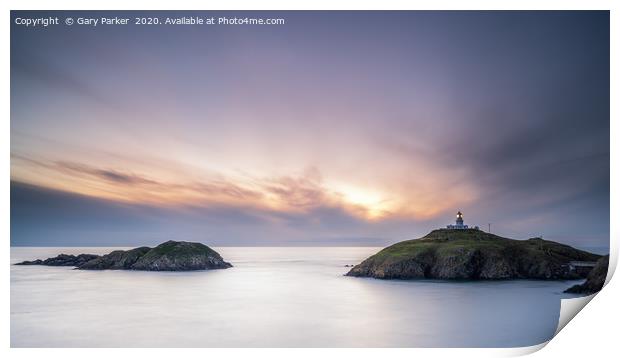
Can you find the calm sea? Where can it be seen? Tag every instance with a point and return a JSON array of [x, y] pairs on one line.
[[273, 297]]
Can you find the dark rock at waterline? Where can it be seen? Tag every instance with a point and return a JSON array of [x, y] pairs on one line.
[[473, 255], [62, 260], [595, 280], [169, 256]]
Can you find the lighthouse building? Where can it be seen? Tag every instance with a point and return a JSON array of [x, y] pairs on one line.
[[459, 223]]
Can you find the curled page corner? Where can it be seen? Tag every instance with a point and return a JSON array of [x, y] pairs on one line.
[[569, 307], [523, 351]]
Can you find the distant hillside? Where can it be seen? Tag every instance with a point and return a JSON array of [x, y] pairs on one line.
[[473, 255]]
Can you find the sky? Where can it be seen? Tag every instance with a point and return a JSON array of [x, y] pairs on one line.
[[335, 128]]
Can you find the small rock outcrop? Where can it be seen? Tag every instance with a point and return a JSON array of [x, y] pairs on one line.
[[62, 260], [116, 260], [473, 255], [595, 280], [169, 256]]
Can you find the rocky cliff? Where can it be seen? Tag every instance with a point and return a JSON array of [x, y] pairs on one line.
[[473, 255], [595, 280], [169, 256]]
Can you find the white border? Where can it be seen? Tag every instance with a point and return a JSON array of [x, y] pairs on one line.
[[594, 330]]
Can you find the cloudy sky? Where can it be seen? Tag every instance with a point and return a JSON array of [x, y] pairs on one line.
[[336, 128]]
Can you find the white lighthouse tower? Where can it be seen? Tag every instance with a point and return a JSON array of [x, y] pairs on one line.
[[459, 223]]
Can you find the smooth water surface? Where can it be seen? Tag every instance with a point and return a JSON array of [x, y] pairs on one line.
[[272, 297]]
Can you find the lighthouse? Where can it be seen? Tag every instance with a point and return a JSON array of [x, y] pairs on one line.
[[459, 219], [459, 223]]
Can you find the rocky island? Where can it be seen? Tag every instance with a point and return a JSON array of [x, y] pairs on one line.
[[472, 254], [169, 256]]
